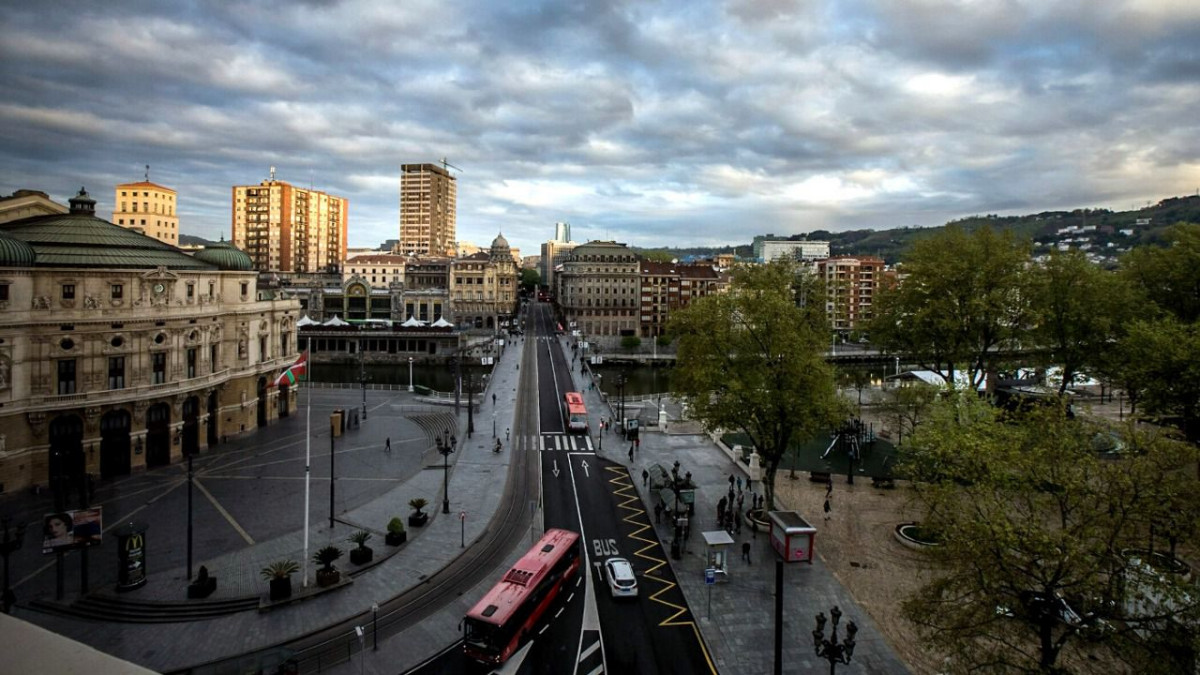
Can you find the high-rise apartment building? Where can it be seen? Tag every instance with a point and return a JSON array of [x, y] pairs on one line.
[[289, 229], [428, 216], [851, 283], [147, 208]]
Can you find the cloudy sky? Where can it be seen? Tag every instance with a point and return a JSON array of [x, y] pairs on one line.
[[654, 123]]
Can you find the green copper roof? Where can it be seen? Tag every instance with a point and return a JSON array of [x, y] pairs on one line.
[[15, 253], [79, 239], [225, 256]]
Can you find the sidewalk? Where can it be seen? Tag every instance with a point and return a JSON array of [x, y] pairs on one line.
[[740, 630]]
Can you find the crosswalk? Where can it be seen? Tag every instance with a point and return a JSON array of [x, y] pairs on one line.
[[562, 443]]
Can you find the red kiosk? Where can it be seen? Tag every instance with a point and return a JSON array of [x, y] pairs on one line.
[[792, 536]]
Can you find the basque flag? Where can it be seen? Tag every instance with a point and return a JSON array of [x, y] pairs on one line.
[[296, 372]]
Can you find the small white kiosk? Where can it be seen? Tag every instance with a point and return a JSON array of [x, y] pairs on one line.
[[792, 537], [716, 545]]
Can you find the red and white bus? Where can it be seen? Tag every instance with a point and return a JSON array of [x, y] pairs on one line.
[[496, 625], [574, 412]]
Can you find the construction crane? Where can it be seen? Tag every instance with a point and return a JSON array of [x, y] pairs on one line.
[[447, 165]]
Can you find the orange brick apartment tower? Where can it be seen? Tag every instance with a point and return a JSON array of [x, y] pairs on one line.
[[428, 203], [851, 283], [289, 229]]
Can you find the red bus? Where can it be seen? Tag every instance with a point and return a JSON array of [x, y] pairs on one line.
[[496, 625], [574, 412]]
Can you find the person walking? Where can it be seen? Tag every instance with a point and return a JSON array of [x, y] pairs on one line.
[[827, 508], [506, 432], [746, 552], [387, 445], [739, 484], [631, 453], [658, 509], [645, 478]]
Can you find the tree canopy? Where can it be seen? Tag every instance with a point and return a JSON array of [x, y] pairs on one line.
[[753, 360], [1032, 519], [961, 297]]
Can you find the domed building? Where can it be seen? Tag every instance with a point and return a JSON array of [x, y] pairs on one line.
[[483, 287], [120, 353]]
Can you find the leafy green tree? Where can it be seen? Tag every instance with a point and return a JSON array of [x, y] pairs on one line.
[[530, 278], [1031, 517], [961, 297], [1170, 276], [753, 360], [657, 255], [1077, 311], [907, 407], [1161, 370]]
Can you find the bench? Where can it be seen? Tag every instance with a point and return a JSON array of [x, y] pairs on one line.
[[819, 476]]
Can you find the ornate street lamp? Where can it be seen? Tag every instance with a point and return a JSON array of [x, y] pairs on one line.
[[830, 649], [446, 444], [410, 380]]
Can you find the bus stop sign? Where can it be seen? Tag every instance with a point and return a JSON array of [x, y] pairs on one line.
[[710, 576]]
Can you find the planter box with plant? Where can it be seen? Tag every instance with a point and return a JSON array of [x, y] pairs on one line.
[[361, 554], [326, 556], [418, 517], [280, 575], [395, 532]]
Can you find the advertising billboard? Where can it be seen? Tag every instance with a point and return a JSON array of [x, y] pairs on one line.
[[71, 529]]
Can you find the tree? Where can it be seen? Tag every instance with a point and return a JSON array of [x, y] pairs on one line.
[[630, 343], [752, 359], [908, 406], [1170, 276], [1077, 311], [1032, 522], [530, 278], [961, 298], [1161, 370]]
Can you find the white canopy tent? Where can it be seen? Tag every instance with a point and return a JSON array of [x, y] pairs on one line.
[[305, 321], [335, 321]]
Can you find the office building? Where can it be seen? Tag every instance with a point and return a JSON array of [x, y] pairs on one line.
[[598, 290], [428, 210]]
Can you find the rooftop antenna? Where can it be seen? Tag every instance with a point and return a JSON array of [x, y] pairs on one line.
[[147, 173], [447, 165]]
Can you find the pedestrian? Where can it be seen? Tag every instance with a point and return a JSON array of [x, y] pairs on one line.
[[827, 508], [631, 453], [645, 478], [829, 486], [746, 552], [741, 500], [731, 482], [658, 509], [721, 510], [506, 432], [739, 483], [493, 399], [387, 445]]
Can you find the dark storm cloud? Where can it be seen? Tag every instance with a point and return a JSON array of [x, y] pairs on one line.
[[654, 123]]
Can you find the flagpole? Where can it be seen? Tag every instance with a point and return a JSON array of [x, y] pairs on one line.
[[307, 461]]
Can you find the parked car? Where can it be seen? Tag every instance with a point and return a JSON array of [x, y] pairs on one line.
[[621, 580]]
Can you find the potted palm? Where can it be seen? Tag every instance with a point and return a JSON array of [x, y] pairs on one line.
[[418, 517], [361, 554], [326, 556], [279, 574], [395, 532]]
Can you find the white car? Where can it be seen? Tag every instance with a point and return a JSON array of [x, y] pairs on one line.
[[621, 580]]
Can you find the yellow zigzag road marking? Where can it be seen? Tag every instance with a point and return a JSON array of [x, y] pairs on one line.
[[623, 487]]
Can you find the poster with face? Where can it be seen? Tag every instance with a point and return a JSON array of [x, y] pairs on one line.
[[71, 529]]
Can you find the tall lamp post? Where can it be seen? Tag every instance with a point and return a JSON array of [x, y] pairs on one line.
[[621, 402], [445, 445], [362, 376], [830, 649], [11, 543], [410, 380]]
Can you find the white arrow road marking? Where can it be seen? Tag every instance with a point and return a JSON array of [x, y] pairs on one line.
[[583, 465], [555, 472]]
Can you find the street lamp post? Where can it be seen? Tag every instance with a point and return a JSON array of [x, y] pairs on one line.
[[446, 444], [621, 401], [410, 380], [362, 376], [830, 649], [12, 541]]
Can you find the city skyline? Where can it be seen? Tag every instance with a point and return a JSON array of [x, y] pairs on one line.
[[633, 123]]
